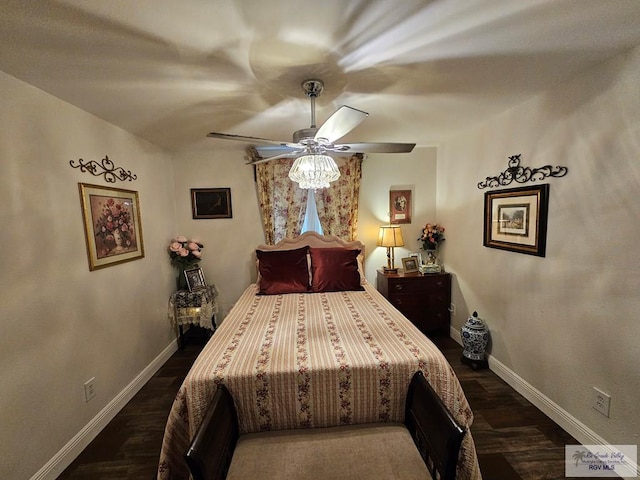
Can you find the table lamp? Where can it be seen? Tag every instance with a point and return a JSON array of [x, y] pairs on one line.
[[390, 236]]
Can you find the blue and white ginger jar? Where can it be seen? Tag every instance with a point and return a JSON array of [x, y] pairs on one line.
[[475, 336]]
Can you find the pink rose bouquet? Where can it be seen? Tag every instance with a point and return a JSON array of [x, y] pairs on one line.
[[185, 252]]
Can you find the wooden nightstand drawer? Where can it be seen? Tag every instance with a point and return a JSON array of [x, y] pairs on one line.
[[405, 285], [423, 299], [407, 300]]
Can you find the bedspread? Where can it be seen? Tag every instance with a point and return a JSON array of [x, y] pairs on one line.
[[312, 360]]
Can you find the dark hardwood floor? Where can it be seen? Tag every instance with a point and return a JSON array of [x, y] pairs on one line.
[[129, 447], [514, 440]]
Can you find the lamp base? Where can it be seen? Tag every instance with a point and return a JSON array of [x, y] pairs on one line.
[[389, 270]]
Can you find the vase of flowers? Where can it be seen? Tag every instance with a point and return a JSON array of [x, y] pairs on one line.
[[184, 254], [432, 235]]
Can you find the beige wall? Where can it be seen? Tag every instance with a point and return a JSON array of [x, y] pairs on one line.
[[415, 171], [567, 322], [228, 242], [62, 324]]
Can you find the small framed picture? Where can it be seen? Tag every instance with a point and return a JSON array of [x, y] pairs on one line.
[[211, 203], [400, 206], [516, 219], [195, 279], [410, 264]]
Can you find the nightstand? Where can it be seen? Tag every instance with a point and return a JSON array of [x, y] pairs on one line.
[[422, 298], [194, 308]]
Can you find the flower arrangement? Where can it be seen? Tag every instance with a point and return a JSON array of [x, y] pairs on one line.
[[113, 226], [432, 235], [184, 252]]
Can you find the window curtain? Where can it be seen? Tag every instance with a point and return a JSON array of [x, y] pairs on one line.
[[338, 205], [283, 204]]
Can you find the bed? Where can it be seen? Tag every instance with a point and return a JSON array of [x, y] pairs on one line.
[[312, 344]]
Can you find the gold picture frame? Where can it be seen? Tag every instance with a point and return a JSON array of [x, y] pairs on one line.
[[112, 225], [410, 264]]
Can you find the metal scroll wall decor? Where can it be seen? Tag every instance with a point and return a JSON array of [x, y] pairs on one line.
[[106, 168], [516, 172]]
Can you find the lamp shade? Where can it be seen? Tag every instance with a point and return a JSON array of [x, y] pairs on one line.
[[314, 171], [390, 236]]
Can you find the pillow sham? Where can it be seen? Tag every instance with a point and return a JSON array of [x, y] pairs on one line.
[[283, 271], [334, 269]]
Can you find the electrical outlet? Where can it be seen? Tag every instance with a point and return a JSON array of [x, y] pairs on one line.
[[89, 389], [601, 401], [452, 309]]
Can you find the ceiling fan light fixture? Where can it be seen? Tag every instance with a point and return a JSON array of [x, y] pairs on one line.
[[314, 171]]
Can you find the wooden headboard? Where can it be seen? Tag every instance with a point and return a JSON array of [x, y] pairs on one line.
[[313, 239]]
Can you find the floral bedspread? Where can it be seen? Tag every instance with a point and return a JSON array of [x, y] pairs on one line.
[[312, 360]]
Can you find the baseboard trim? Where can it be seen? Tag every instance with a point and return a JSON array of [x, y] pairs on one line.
[[61, 460], [568, 422], [564, 419]]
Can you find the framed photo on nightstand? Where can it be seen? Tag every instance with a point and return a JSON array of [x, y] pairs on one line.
[[410, 264], [195, 279]]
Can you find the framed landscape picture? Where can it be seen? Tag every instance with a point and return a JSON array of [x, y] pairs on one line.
[[410, 264], [516, 219], [211, 203], [113, 232]]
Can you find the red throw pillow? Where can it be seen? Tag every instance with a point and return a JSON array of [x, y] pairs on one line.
[[283, 271], [334, 269]]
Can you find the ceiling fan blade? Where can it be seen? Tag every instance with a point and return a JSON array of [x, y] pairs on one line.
[[373, 147], [275, 157], [242, 138], [341, 122], [270, 150]]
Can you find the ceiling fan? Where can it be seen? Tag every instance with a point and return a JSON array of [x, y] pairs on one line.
[[318, 141]]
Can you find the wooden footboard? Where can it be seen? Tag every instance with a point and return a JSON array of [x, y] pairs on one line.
[[361, 450], [211, 450], [434, 430]]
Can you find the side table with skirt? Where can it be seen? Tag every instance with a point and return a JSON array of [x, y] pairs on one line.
[[197, 308]]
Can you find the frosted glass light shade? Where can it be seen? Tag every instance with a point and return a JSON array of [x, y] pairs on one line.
[[314, 171]]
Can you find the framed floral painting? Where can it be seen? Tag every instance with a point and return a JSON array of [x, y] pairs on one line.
[[112, 227], [516, 219]]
